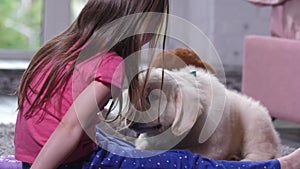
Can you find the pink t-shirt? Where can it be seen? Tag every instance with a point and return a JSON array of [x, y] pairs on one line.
[[31, 135]]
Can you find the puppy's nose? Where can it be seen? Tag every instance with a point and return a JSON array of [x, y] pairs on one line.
[[135, 125]]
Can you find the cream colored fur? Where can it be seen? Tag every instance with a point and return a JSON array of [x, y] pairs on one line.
[[201, 115]]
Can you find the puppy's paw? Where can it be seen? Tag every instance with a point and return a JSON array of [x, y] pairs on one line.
[[142, 143]]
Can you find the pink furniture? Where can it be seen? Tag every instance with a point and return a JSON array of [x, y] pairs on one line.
[[271, 74]]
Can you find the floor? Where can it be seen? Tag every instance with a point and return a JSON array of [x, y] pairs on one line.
[[8, 106], [289, 132]]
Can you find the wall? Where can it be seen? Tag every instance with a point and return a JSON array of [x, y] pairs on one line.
[[225, 22]]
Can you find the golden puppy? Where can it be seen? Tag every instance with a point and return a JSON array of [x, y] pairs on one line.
[[195, 111]]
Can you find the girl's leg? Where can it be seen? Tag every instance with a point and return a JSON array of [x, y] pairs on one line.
[[176, 159], [25, 165]]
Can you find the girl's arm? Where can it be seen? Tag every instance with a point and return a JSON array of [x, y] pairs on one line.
[[66, 136]]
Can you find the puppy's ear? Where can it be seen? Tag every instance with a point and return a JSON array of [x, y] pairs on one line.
[[215, 109], [187, 109]]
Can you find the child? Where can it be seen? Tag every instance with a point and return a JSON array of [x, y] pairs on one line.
[[75, 74]]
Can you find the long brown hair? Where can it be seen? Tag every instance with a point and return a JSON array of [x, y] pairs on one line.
[[93, 21]]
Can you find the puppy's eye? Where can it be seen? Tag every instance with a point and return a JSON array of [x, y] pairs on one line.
[[153, 97]]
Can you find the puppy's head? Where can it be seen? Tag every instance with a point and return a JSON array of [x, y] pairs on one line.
[[180, 58], [173, 103]]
